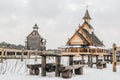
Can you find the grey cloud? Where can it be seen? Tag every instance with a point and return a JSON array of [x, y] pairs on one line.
[[57, 19]]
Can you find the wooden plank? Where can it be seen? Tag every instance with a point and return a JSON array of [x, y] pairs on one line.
[[71, 67]]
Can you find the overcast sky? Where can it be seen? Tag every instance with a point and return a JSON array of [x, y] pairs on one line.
[[58, 19]]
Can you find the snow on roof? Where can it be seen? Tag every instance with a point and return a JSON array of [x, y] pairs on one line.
[[79, 46]]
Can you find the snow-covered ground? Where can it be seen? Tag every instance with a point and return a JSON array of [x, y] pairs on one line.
[[17, 70]]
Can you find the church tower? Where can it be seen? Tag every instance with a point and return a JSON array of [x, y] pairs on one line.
[[87, 17]]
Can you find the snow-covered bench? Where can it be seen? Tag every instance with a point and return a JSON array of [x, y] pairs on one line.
[[34, 68], [68, 70], [101, 64]]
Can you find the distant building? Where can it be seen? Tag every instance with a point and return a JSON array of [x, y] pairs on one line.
[[35, 41]]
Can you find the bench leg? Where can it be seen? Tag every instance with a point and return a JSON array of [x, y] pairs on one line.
[[34, 71], [67, 74], [104, 65], [99, 66], [79, 71]]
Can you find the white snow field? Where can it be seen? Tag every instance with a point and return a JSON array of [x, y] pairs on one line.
[[16, 70]]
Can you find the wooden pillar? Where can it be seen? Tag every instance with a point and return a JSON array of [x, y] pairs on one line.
[[104, 57], [88, 50], [114, 58], [91, 60], [82, 56], [108, 58], [70, 60], [28, 54], [5, 54], [88, 60], [36, 52], [2, 53], [97, 59], [111, 59], [43, 73], [58, 61], [118, 57], [22, 54], [15, 54]]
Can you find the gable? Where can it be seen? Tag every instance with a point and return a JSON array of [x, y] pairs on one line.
[[77, 39], [34, 34]]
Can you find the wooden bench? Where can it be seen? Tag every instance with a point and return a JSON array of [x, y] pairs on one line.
[[79, 62], [34, 68], [68, 70], [101, 64]]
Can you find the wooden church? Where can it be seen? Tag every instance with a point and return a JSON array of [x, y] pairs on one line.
[[35, 41], [84, 39]]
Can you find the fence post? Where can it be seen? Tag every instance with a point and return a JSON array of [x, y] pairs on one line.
[[2, 53], [28, 54], [114, 57], [6, 54], [22, 54], [15, 54]]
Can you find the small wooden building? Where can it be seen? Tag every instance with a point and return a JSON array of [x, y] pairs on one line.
[[35, 41], [84, 38]]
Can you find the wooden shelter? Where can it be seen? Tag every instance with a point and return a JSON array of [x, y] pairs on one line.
[[35, 41], [84, 39]]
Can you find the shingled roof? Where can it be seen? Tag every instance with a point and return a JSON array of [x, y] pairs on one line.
[[94, 38]]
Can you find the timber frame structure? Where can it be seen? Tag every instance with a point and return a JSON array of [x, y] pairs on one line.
[[84, 40]]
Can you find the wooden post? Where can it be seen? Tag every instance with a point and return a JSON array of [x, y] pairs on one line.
[[15, 54], [104, 57], [108, 58], [70, 60], [43, 73], [91, 60], [28, 54], [114, 58], [97, 59], [36, 52], [22, 54], [111, 59], [2, 53], [88, 60], [82, 55], [57, 72], [5, 54]]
